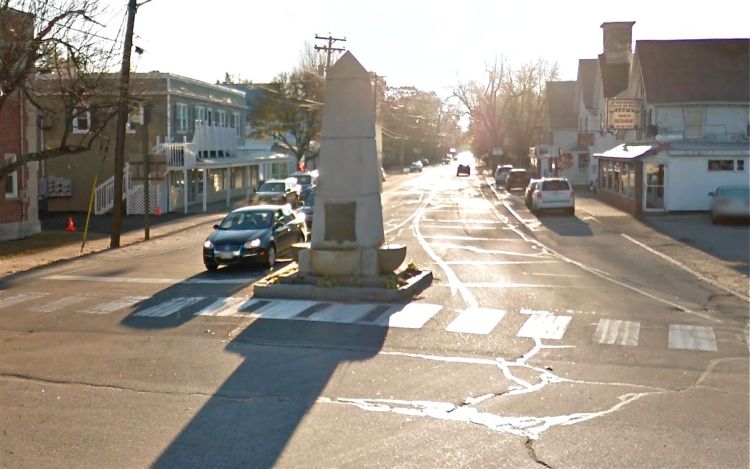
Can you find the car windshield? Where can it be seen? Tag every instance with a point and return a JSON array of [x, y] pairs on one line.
[[555, 186], [739, 192], [272, 187], [254, 220], [303, 179]]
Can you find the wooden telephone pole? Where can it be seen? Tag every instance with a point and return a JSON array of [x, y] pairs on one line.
[[122, 118], [329, 48]]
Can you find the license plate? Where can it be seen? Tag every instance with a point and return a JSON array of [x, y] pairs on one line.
[[225, 255]]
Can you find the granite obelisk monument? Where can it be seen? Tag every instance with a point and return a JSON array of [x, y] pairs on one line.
[[347, 236]]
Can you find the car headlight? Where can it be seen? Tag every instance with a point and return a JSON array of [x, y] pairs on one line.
[[208, 244], [252, 244]]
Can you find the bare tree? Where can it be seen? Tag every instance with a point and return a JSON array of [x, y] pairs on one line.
[[506, 110], [52, 54], [290, 109]]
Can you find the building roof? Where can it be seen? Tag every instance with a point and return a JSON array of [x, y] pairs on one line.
[[585, 82], [695, 70], [561, 109], [627, 152]]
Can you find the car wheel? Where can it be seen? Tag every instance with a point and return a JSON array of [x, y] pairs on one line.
[[271, 258], [211, 265]]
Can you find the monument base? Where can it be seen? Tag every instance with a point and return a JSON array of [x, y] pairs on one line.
[[291, 283]]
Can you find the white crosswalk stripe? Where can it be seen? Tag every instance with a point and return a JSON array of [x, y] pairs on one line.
[[169, 307], [410, 316], [283, 309], [345, 313], [112, 306], [19, 298], [617, 332], [544, 326], [229, 306], [58, 304], [476, 321], [684, 337]]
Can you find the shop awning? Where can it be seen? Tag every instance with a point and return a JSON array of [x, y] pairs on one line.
[[627, 152]]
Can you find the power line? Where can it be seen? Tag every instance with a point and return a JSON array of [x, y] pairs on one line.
[[329, 48]]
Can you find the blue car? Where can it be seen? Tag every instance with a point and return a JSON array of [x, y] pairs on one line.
[[253, 235]]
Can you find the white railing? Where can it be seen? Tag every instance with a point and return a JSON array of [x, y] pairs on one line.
[[209, 141], [104, 194]]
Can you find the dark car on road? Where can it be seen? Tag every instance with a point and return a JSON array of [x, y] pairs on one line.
[[518, 178], [277, 192], [253, 235], [308, 201], [463, 169]]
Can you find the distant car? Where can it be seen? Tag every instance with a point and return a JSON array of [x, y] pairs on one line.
[[416, 167], [425, 162], [463, 169], [308, 201], [553, 193], [518, 178], [253, 235], [447, 160], [529, 192], [277, 192], [305, 180], [501, 174], [730, 202]]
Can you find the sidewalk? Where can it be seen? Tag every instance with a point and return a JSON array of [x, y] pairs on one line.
[[718, 254], [54, 244]]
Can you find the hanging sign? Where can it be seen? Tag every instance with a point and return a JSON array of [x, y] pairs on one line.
[[623, 114]]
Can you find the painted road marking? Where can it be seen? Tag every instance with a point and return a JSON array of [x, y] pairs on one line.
[[112, 306], [227, 306], [544, 326], [340, 312], [167, 308], [20, 298], [93, 278], [410, 316], [476, 321], [283, 309], [61, 303], [683, 337], [617, 332]]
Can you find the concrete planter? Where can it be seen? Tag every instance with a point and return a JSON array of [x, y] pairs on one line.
[[390, 257]]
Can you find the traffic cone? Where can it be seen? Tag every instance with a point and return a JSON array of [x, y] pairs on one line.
[[71, 228], [158, 210]]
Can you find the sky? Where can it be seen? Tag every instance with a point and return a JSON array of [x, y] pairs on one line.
[[432, 45]]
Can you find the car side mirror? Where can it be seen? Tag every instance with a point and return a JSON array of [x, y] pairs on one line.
[[216, 227], [277, 225]]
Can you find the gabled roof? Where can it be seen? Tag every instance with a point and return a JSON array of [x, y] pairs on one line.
[[561, 110], [695, 70], [585, 82]]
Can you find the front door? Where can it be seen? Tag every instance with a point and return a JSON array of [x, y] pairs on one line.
[[655, 178]]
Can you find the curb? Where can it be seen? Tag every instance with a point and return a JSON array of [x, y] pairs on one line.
[[153, 236], [261, 289]]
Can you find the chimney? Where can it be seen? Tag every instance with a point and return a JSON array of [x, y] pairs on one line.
[[618, 40]]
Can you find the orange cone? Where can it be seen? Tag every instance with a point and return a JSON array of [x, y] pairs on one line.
[[158, 210], [71, 228]]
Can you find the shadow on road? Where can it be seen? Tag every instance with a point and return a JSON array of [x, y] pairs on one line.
[[564, 225], [251, 417]]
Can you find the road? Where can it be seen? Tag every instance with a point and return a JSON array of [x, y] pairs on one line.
[[555, 345]]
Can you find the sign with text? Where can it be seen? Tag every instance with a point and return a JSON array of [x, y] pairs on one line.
[[624, 114]]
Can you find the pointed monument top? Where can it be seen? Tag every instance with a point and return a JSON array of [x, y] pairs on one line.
[[348, 67]]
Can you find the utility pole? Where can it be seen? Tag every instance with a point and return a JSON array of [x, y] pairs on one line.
[[122, 118], [329, 48]]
